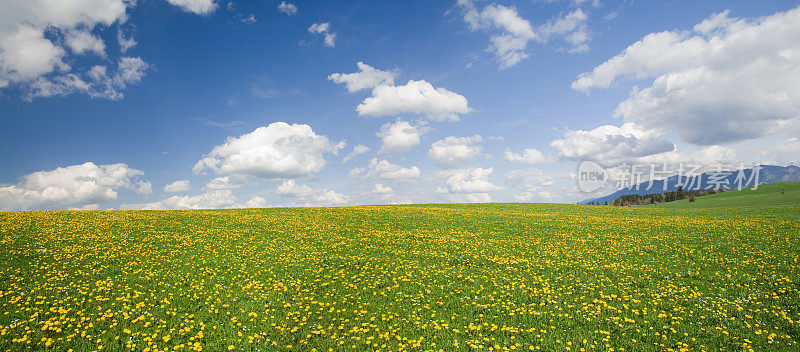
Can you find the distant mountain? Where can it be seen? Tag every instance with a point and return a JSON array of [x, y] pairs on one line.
[[767, 174]]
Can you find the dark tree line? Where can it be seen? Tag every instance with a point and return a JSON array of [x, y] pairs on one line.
[[655, 198], [636, 199]]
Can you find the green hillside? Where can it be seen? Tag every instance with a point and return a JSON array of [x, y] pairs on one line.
[[768, 195], [460, 277]]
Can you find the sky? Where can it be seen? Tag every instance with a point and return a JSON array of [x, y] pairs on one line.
[[188, 104]]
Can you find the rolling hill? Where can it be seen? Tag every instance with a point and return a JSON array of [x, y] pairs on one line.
[[767, 195], [768, 174]]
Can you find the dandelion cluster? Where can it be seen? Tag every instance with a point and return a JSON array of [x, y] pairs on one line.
[[499, 277]]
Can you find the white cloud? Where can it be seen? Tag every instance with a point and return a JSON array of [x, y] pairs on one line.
[[381, 189], [33, 62], [399, 137], [309, 196], [528, 156], [528, 184], [471, 181], [75, 185], [178, 186], [26, 54], [367, 77], [330, 197], [417, 97], [144, 188], [256, 202], [85, 207], [319, 27], [787, 151], [249, 19], [477, 198], [610, 145], [523, 174], [100, 85], [39, 67], [455, 151], [81, 41], [279, 150], [357, 150], [516, 32], [131, 70], [125, 43], [509, 46], [287, 8], [60, 85], [209, 200], [324, 28], [727, 80], [383, 169], [357, 171], [713, 155], [291, 189], [199, 7], [227, 182], [572, 28]]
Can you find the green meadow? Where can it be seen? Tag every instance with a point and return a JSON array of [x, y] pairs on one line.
[[719, 274], [781, 194]]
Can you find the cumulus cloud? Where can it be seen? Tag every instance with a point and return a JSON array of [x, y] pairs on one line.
[[528, 156], [399, 137], [25, 53], [357, 171], [99, 84], [309, 196], [331, 197], [81, 41], [711, 156], [516, 32], [178, 186], [290, 188], [526, 195], [529, 184], [200, 7], [287, 8], [572, 28], [324, 28], [227, 182], [125, 43], [610, 145], [455, 151], [383, 169], [416, 97], [509, 46], [381, 189], [40, 67], [357, 150], [209, 200], [367, 77], [75, 185], [256, 202], [471, 181], [144, 188], [787, 151], [726, 80], [279, 150]]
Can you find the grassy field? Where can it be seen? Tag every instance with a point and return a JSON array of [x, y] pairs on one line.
[[483, 277], [765, 196]]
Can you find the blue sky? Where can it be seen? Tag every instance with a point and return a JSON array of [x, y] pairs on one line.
[[715, 82]]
